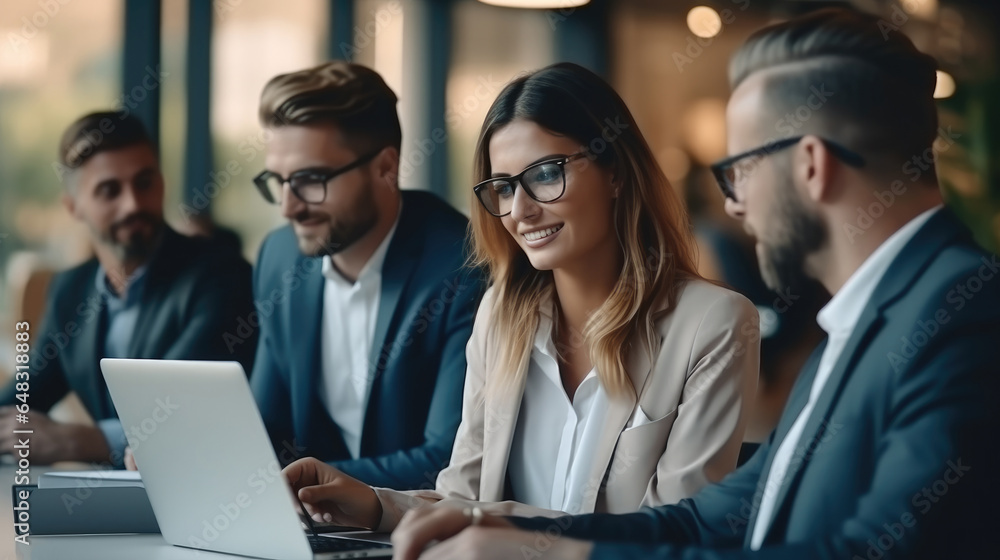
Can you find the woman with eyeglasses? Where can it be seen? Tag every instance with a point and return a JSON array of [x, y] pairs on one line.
[[603, 373]]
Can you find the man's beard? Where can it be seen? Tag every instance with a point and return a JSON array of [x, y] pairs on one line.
[[797, 234], [138, 247], [344, 232]]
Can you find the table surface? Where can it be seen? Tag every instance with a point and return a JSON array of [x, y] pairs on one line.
[[84, 547]]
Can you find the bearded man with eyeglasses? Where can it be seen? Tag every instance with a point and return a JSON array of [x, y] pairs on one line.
[[365, 303]]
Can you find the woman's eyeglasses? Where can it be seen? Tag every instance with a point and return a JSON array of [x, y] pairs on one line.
[[544, 181]]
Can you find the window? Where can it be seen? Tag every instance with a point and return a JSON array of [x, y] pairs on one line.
[[58, 60]]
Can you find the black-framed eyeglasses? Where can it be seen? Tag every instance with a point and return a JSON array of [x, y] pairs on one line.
[[308, 185], [544, 181], [735, 169]]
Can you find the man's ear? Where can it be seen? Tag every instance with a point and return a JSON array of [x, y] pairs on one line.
[[812, 167], [387, 166], [69, 203]]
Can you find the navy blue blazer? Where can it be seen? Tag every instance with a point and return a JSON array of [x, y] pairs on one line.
[[428, 301], [196, 293], [899, 458]]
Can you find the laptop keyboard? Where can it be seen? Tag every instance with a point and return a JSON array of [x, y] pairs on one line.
[[327, 544]]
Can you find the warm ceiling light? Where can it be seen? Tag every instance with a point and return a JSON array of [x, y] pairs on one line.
[[945, 86], [704, 128], [924, 9], [537, 4], [704, 22]]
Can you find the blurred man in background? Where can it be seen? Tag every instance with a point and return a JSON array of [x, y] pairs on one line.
[[149, 292]]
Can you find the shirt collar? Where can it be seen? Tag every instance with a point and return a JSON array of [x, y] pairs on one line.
[[844, 309], [132, 289], [372, 267], [134, 286]]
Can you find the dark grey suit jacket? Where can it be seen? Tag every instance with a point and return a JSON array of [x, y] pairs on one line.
[[899, 458], [196, 292]]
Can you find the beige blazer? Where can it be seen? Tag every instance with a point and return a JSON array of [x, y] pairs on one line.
[[694, 396]]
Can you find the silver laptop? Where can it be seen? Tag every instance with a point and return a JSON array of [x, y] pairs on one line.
[[207, 463]]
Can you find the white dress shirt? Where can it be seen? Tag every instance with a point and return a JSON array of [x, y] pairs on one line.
[[348, 326], [838, 318], [555, 439]]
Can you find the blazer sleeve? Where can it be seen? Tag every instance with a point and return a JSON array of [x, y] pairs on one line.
[[941, 422], [418, 467], [704, 441], [47, 383]]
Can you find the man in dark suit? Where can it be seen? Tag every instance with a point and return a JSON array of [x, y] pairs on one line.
[[887, 446], [365, 303], [148, 293]]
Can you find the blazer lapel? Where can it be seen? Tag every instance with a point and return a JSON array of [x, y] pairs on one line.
[[816, 426], [796, 402], [305, 323], [85, 360], [800, 397], [157, 287], [143, 336], [401, 258], [500, 420], [620, 409], [396, 272]]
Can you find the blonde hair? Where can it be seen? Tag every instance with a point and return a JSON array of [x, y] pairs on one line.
[[651, 223]]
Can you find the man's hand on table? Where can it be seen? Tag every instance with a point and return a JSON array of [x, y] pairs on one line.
[[458, 539], [51, 441]]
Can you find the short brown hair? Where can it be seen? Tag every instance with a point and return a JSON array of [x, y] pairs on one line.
[[882, 87], [98, 132], [352, 97]]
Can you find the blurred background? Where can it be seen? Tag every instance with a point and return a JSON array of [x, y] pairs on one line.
[[193, 71]]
